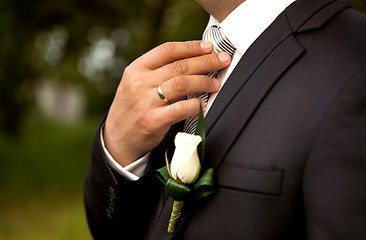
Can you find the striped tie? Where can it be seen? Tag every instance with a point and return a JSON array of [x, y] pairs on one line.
[[221, 44]]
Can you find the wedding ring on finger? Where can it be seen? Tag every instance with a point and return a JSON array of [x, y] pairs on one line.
[[162, 96]]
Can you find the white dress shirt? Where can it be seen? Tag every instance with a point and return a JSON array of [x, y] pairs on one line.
[[242, 27]]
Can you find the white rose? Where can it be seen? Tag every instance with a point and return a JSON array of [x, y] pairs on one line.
[[185, 166]]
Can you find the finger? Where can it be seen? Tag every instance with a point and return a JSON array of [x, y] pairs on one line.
[[173, 51], [179, 111], [181, 86], [194, 66]]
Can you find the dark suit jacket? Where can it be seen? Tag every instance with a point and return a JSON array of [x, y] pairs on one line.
[[286, 136]]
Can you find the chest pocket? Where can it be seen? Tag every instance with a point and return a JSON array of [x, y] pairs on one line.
[[264, 181]]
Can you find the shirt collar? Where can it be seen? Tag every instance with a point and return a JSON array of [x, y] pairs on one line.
[[249, 20]]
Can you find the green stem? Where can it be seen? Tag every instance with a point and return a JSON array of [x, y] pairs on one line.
[[177, 209]]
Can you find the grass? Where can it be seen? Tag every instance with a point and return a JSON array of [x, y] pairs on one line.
[[41, 181], [51, 216]]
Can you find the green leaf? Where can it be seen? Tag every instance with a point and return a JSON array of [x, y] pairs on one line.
[[204, 186], [176, 190], [167, 164], [162, 174], [201, 131]]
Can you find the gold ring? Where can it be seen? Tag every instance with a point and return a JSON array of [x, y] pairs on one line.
[[161, 95]]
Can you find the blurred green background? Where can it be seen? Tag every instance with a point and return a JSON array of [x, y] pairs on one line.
[[60, 63]]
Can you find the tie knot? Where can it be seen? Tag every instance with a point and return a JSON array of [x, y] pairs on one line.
[[221, 43]]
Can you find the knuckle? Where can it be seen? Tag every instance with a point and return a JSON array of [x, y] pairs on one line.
[[136, 87], [167, 47], [191, 46], [133, 77], [131, 73], [180, 66], [132, 85], [127, 72], [209, 60], [180, 84]]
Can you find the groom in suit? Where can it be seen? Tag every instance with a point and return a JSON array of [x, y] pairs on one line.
[[285, 127]]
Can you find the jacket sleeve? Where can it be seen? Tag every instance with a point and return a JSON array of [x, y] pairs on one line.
[[116, 207], [334, 185]]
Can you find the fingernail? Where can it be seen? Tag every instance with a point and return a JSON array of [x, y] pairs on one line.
[[224, 57], [206, 45]]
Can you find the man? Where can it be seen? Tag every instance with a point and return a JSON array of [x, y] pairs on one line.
[[286, 132]]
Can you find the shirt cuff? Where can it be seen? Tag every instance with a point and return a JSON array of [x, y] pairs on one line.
[[132, 171]]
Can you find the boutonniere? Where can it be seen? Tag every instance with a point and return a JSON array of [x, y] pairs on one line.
[[183, 177]]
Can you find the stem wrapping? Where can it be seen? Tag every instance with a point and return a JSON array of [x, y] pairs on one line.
[[177, 210]]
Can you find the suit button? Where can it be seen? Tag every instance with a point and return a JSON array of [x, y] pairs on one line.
[[112, 194], [112, 198], [111, 208], [109, 214]]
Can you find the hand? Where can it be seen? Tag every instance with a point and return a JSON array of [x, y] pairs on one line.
[[138, 119]]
